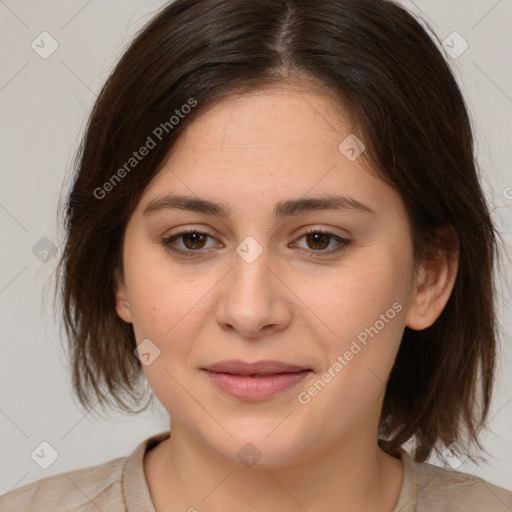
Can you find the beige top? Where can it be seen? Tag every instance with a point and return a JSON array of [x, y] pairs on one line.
[[119, 485]]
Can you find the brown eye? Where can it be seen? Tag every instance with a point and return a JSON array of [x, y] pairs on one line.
[[193, 240], [318, 241]]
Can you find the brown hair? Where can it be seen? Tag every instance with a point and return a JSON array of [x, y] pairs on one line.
[[387, 72]]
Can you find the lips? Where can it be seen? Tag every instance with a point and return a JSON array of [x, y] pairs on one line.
[[255, 381], [237, 367]]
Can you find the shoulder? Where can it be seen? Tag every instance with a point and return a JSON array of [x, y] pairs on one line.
[[440, 489], [79, 490]]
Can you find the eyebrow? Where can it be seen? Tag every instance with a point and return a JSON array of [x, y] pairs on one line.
[[282, 209]]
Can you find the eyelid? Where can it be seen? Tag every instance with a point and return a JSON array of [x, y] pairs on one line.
[[190, 229], [325, 230]]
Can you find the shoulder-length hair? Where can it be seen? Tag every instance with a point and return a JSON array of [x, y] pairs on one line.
[[388, 73]]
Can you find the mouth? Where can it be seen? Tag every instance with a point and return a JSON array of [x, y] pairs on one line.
[[255, 381]]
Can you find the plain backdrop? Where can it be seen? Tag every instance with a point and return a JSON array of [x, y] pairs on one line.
[[44, 104]]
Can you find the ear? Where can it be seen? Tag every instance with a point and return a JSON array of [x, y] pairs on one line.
[[121, 298], [434, 283]]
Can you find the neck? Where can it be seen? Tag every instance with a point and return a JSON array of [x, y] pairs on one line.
[[185, 474]]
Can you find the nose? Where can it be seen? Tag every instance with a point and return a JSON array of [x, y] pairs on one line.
[[254, 298]]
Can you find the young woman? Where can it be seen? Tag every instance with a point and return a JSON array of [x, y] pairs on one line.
[[276, 221]]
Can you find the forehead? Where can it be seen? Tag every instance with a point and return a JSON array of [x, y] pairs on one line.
[[270, 144], [259, 120]]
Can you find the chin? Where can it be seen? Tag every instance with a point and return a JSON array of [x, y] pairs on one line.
[[260, 450]]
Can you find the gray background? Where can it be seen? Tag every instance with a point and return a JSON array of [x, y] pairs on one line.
[[44, 104]]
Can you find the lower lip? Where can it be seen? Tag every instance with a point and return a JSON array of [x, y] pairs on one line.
[[256, 388]]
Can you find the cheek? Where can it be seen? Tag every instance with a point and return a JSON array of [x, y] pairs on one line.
[[362, 314], [165, 307], [159, 294], [168, 312], [358, 358], [170, 306], [356, 296]]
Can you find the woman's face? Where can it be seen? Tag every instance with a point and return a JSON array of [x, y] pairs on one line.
[[254, 286]]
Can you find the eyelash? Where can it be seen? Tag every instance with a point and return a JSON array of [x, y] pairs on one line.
[[167, 241]]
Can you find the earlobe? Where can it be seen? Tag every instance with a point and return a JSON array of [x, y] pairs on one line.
[[121, 298], [433, 288]]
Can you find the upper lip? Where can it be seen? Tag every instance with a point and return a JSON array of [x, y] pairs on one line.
[[237, 367]]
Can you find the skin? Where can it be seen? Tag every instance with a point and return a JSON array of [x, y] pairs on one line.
[[250, 151]]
